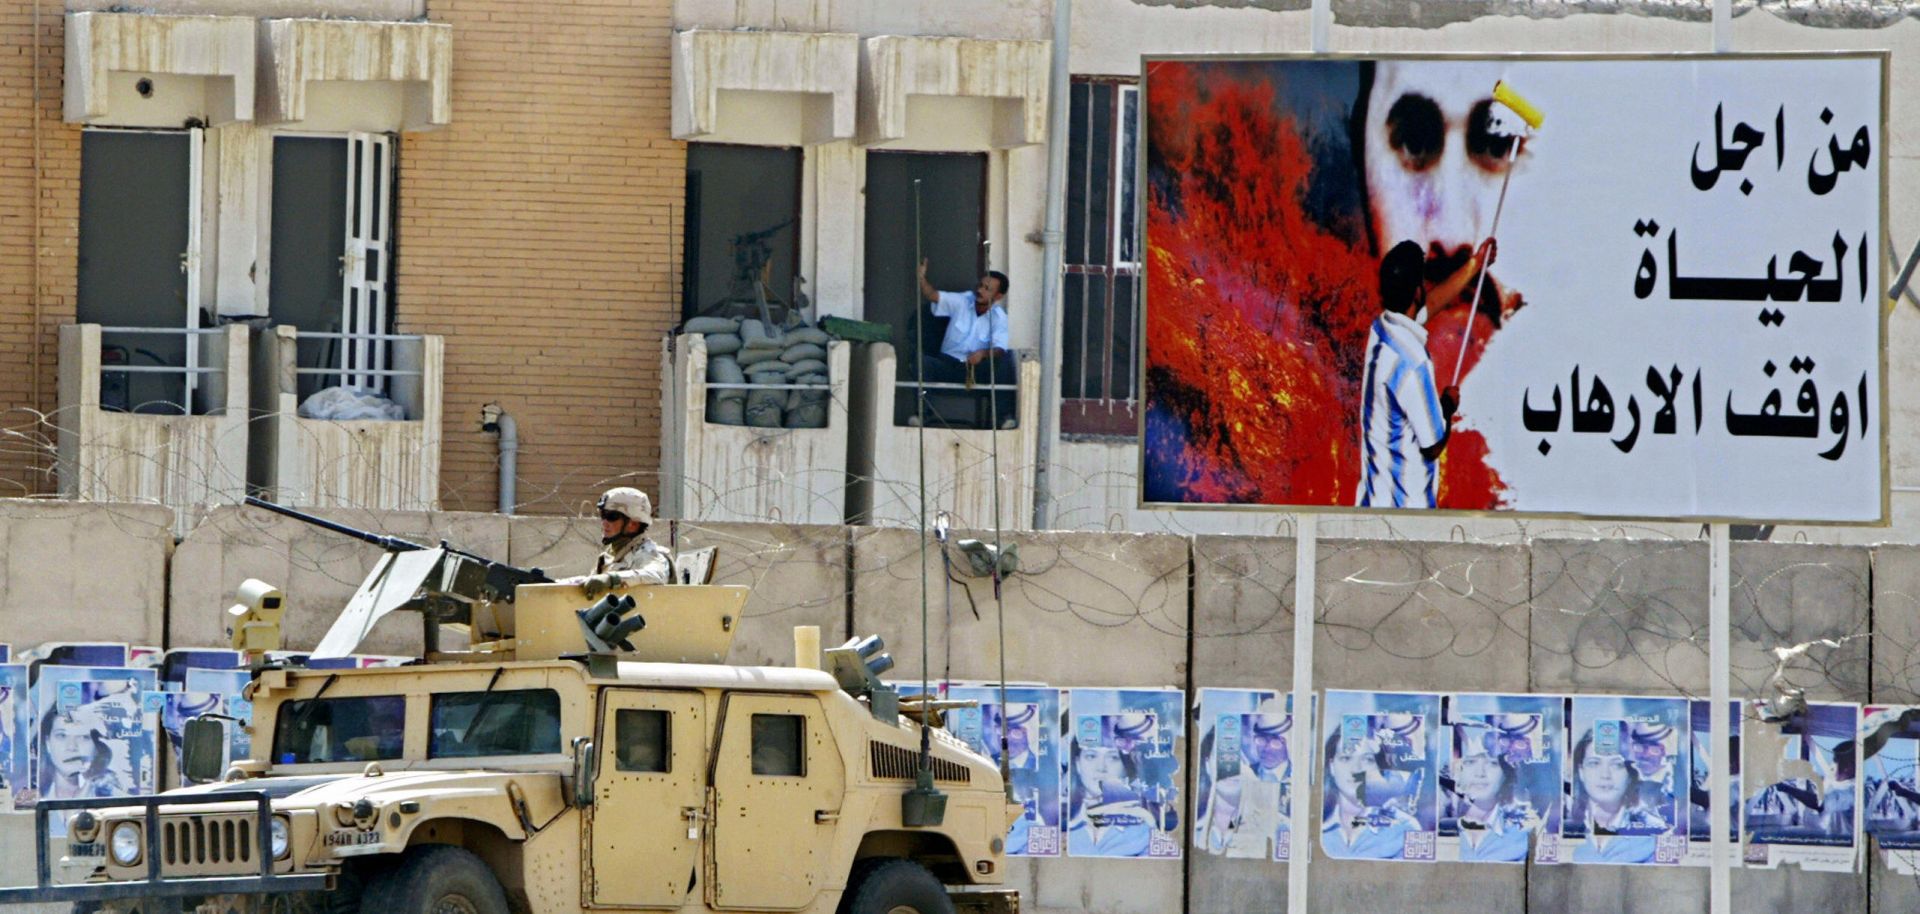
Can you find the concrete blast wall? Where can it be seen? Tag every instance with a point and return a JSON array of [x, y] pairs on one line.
[[1607, 616]]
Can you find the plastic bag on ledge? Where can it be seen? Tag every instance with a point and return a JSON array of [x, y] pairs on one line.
[[346, 403]]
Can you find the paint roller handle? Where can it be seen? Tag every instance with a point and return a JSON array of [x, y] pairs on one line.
[[1528, 112]]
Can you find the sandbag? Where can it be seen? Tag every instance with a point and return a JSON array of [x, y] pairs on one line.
[[725, 410], [812, 335], [750, 357], [810, 366], [802, 352], [710, 325], [764, 408], [722, 343], [725, 370], [754, 335]]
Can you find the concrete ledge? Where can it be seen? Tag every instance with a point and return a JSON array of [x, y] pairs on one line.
[[213, 56], [1014, 74], [413, 59], [823, 69]]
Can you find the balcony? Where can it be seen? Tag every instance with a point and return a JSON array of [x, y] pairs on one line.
[[714, 471], [172, 431], [379, 463]]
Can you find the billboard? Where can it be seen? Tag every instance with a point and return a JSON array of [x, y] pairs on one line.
[[1607, 287]]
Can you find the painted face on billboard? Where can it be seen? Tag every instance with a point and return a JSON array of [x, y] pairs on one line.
[[1433, 167]]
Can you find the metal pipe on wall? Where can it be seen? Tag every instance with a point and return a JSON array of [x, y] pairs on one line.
[[1054, 239], [494, 418]]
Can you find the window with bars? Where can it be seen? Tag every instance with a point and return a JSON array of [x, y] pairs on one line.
[[1101, 289]]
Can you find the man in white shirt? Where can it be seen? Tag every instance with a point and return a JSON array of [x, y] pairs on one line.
[[976, 333], [1404, 418]]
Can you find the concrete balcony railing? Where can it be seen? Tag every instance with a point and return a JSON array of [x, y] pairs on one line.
[[164, 433], [386, 464], [960, 462], [718, 472]]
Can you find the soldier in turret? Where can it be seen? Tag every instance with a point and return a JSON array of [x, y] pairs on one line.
[[630, 556]]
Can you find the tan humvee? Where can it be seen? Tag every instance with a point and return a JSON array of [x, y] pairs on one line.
[[526, 776]]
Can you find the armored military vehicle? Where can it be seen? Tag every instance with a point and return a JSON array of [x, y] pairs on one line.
[[545, 768]]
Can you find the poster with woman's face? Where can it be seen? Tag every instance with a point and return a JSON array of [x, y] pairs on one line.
[[1381, 758], [1500, 788], [1030, 721], [1625, 782], [1123, 772], [1803, 797], [90, 733]]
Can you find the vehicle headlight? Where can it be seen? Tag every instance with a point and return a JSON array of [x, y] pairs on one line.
[[277, 838], [85, 827], [126, 843]]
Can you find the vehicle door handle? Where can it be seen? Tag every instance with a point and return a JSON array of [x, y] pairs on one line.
[[823, 816], [694, 816]]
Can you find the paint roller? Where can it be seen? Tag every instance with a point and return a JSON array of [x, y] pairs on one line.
[[1511, 116]]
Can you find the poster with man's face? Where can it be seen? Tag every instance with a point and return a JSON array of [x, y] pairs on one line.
[[1030, 720], [16, 770], [1625, 782], [1803, 789], [1245, 779], [1644, 288], [1500, 790], [1381, 756]]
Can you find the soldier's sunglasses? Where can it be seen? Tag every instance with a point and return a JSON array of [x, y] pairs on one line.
[[613, 517]]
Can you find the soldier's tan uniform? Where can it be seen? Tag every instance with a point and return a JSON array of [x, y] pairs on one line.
[[639, 561]]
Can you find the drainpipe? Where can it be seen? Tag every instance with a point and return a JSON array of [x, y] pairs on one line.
[[1054, 238], [495, 419]]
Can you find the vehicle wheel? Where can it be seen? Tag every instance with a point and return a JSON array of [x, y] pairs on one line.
[[894, 886], [435, 879]]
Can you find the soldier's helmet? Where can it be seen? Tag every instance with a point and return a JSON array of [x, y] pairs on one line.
[[628, 502]]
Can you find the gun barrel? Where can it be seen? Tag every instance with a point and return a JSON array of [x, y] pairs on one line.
[[389, 543]]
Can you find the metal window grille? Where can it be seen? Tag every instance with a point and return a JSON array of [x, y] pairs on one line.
[[1101, 286]]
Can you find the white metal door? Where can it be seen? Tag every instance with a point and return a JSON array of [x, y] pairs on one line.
[[190, 259], [365, 263]]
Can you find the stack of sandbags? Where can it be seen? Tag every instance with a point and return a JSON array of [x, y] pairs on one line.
[[747, 350]]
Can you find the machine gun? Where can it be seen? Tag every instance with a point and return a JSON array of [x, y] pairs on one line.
[[444, 584]]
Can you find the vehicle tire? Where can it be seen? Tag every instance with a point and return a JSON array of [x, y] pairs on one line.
[[435, 879], [894, 886]]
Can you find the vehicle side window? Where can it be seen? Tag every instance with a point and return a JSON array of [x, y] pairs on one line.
[[779, 745], [516, 722], [643, 741], [357, 729]]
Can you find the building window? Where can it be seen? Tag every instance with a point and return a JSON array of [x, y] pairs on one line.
[[1101, 289], [139, 267], [332, 256], [933, 204], [742, 230]]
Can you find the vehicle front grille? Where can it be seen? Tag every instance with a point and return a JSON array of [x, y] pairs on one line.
[[207, 841], [898, 763]]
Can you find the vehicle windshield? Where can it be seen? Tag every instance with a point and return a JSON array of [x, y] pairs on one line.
[[357, 729]]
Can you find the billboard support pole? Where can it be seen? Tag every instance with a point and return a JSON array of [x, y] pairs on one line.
[[1306, 543], [1719, 634]]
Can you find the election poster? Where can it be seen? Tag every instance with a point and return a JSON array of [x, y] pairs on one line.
[[1701, 758], [1123, 772], [1030, 722], [91, 737], [1803, 799], [1623, 783], [1890, 759], [1632, 288], [1382, 756], [1245, 778], [168, 713], [16, 776], [229, 685], [1500, 788]]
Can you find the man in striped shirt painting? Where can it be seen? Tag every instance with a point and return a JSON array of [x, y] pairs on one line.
[[1404, 416]]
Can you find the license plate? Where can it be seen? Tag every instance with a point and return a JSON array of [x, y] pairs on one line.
[[91, 849], [350, 838]]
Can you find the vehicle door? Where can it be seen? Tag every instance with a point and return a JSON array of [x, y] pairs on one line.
[[647, 820], [778, 783]]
